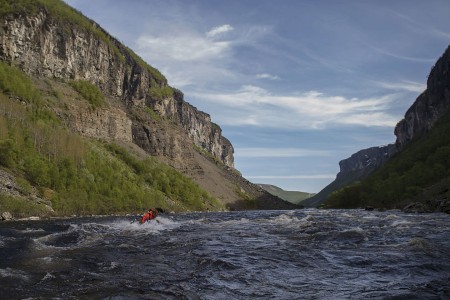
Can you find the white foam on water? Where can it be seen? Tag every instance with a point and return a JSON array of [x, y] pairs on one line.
[[400, 223], [48, 276], [285, 219], [113, 265], [371, 217], [308, 218], [154, 226], [40, 242], [31, 230], [391, 217], [354, 229], [13, 273], [46, 259], [242, 221], [347, 215]]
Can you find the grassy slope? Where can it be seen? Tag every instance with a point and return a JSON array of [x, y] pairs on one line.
[[420, 173], [75, 174]]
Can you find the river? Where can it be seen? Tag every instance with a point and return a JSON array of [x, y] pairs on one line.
[[301, 254]]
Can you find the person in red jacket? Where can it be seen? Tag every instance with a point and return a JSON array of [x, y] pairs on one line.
[[148, 216]]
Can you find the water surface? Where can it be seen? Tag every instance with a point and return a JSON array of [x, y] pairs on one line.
[[304, 254]]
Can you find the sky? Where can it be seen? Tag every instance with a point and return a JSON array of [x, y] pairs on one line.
[[295, 85]]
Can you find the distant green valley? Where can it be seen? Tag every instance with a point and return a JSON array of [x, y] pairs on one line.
[[294, 197]]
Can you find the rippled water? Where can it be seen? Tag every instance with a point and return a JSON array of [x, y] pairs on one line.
[[304, 254]]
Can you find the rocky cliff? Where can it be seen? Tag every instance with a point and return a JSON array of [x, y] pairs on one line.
[[365, 161], [43, 44], [420, 118], [356, 167], [432, 104], [57, 45]]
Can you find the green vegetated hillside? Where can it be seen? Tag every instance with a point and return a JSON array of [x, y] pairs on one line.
[[73, 174], [295, 197], [419, 173]]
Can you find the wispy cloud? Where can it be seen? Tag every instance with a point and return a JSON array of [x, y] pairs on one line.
[[267, 76], [279, 152], [191, 56], [219, 30], [423, 28], [186, 46], [252, 105], [404, 85], [390, 53]]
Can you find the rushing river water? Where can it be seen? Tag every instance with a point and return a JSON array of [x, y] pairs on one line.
[[304, 254]]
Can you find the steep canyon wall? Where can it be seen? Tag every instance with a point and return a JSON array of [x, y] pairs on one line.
[[45, 46]]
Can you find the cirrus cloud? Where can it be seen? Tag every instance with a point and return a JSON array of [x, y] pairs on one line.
[[189, 46], [253, 105], [267, 76], [219, 30], [280, 152]]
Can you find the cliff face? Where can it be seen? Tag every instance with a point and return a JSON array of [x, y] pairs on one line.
[[365, 161], [141, 109], [204, 133], [356, 167], [45, 46], [419, 119], [429, 106]]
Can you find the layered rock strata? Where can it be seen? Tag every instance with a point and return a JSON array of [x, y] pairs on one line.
[[43, 45]]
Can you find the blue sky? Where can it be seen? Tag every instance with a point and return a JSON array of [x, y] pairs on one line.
[[296, 85]]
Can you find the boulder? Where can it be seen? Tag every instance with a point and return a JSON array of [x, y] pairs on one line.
[[444, 206], [416, 207], [6, 216]]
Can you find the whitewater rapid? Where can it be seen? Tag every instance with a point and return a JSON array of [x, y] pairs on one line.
[[302, 254]]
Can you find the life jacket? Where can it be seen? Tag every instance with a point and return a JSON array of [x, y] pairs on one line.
[[147, 217]]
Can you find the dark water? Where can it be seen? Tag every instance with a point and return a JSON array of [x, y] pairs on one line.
[[305, 254]]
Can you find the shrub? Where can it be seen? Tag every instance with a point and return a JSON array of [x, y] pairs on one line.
[[89, 91], [16, 83], [159, 93], [20, 207]]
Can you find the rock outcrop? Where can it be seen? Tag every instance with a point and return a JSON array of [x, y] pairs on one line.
[[197, 124], [6, 216], [102, 123], [419, 119], [432, 104], [141, 107], [44, 45], [356, 167], [364, 162]]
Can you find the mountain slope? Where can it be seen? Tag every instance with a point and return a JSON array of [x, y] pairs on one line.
[[295, 197], [356, 167], [419, 172], [99, 89]]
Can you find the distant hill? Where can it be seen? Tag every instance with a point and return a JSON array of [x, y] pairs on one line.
[[295, 197], [355, 168]]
